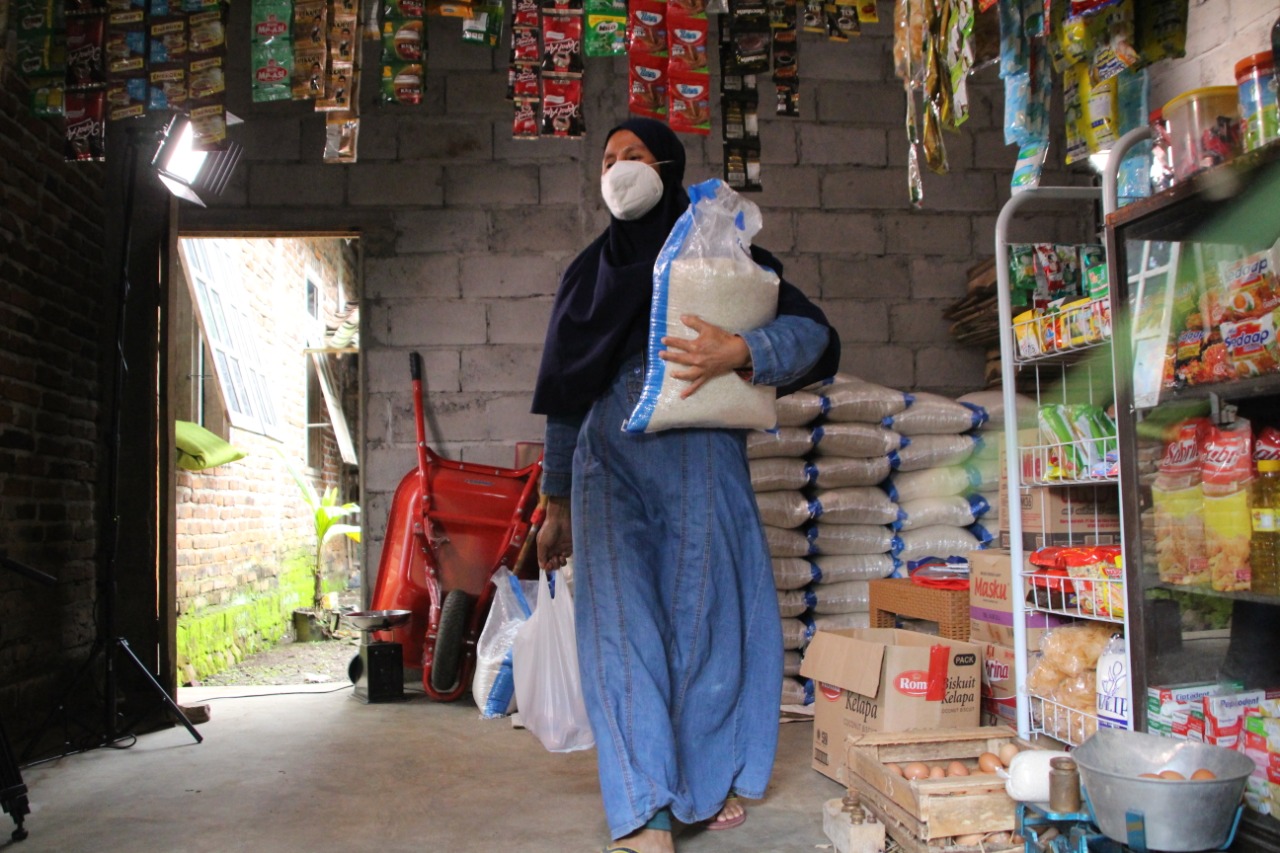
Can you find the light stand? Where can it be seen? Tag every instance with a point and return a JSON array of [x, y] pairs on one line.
[[107, 643]]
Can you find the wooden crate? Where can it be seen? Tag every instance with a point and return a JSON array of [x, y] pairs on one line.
[[922, 815], [890, 597]]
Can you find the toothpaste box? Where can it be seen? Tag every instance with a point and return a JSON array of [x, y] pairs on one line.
[[1170, 707], [1222, 716]]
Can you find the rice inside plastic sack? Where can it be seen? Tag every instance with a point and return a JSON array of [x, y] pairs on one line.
[[705, 268]]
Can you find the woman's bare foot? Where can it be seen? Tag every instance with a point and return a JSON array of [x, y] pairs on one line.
[[648, 841], [731, 814]]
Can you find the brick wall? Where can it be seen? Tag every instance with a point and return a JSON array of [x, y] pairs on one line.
[[52, 320]]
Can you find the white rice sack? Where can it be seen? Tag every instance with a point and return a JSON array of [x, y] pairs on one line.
[[845, 597], [780, 472], [787, 543], [796, 691], [834, 472], [952, 510], [855, 440], [841, 621], [851, 538], [940, 540], [992, 402], [856, 505], [784, 509], [793, 572], [838, 568], [862, 401], [705, 269], [791, 662], [985, 472], [903, 486], [784, 441], [934, 451], [800, 408], [933, 414], [796, 632], [793, 602]]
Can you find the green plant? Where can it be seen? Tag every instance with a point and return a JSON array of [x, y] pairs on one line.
[[327, 513]]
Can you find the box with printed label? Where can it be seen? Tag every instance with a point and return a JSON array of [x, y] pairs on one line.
[[886, 680], [1000, 683], [1169, 707], [991, 586]]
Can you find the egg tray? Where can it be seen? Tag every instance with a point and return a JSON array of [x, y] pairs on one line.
[[923, 814]]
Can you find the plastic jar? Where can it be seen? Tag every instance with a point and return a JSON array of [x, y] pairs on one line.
[[1161, 165], [1204, 128], [1256, 83]]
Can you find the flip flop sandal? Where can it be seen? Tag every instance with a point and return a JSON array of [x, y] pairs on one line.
[[714, 824]]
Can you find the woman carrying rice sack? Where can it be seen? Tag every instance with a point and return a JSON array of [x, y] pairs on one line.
[[679, 638]]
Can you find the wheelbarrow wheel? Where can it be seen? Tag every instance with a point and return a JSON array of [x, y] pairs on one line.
[[448, 652]]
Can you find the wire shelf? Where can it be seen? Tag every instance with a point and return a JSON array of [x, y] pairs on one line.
[[1100, 599], [1052, 337], [1061, 722], [1081, 462]]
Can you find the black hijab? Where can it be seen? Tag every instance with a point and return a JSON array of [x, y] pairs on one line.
[[600, 317]]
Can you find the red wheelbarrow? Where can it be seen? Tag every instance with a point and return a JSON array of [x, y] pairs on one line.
[[450, 527]]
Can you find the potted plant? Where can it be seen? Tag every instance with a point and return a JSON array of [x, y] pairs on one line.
[[327, 514]]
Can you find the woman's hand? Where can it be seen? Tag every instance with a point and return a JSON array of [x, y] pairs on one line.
[[555, 537], [714, 352]]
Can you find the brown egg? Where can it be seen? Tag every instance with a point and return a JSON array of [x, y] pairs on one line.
[[895, 769], [989, 762], [1204, 773], [957, 768], [1007, 752], [937, 772], [916, 770], [1148, 775], [1173, 775], [968, 840]]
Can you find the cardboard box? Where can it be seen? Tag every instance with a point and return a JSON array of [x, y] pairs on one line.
[[887, 680], [991, 585]]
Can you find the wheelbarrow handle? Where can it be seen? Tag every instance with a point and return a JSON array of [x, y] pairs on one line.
[[415, 367]]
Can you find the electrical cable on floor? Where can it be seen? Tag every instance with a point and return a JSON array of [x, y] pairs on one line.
[[300, 693]]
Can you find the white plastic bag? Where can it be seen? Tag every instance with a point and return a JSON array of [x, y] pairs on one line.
[[705, 268], [545, 664], [493, 686]]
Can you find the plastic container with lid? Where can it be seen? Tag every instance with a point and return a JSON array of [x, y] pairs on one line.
[[1256, 83], [1204, 128], [1161, 166]]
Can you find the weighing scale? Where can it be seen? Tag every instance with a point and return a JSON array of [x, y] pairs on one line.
[[378, 670], [1076, 832]]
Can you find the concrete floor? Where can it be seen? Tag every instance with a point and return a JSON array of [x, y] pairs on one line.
[[323, 771]]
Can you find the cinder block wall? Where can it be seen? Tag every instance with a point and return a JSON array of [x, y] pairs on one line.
[[465, 231]]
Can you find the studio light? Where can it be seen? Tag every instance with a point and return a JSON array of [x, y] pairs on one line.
[[195, 176]]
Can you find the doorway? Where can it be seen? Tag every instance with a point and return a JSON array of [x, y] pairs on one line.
[[263, 345]]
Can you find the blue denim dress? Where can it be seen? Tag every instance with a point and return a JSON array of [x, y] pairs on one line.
[[679, 637]]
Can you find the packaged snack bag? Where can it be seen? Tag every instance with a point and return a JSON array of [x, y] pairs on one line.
[[1177, 498], [1226, 469], [1251, 346]]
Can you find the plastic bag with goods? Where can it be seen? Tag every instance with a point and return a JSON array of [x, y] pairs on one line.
[[800, 408], [859, 401], [953, 510], [705, 268], [784, 441], [935, 451], [992, 402], [796, 691], [834, 472], [933, 414], [851, 538], [493, 686], [904, 486], [776, 473], [844, 597], [793, 572], [938, 541], [841, 621], [793, 602], [837, 568], [797, 631], [856, 505], [855, 439], [787, 509]]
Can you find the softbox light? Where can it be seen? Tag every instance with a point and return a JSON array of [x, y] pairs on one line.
[[195, 176]]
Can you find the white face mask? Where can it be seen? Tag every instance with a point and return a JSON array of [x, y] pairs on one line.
[[631, 189]]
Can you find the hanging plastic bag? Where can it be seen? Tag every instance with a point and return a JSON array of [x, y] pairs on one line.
[[493, 686], [545, 665], [705, 269]]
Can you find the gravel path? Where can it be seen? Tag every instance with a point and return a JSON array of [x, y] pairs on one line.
[[293, 663]]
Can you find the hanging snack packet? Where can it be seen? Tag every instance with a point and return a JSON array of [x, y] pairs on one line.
[[342, 131], [562, 46], [310, 23], [908, 40], [742, 165], [1226, 468], [524, 123], [786, 76], [524, 83], [526, 50], [1177, 498], [562, 108], [86, 126], [126, 98], [606, 34], [1267, 445], [340, 83], [402, 40], [647, 28], [401, 83], [272, 70], [525, 13], [272, 20], [167, 87], [647, 92], [687, 44], [689, 107]]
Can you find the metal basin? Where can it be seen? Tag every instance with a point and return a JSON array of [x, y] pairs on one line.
[[1178, 816], [377, 620]]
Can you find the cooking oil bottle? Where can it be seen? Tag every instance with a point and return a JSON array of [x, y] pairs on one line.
[[1264, 544]]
